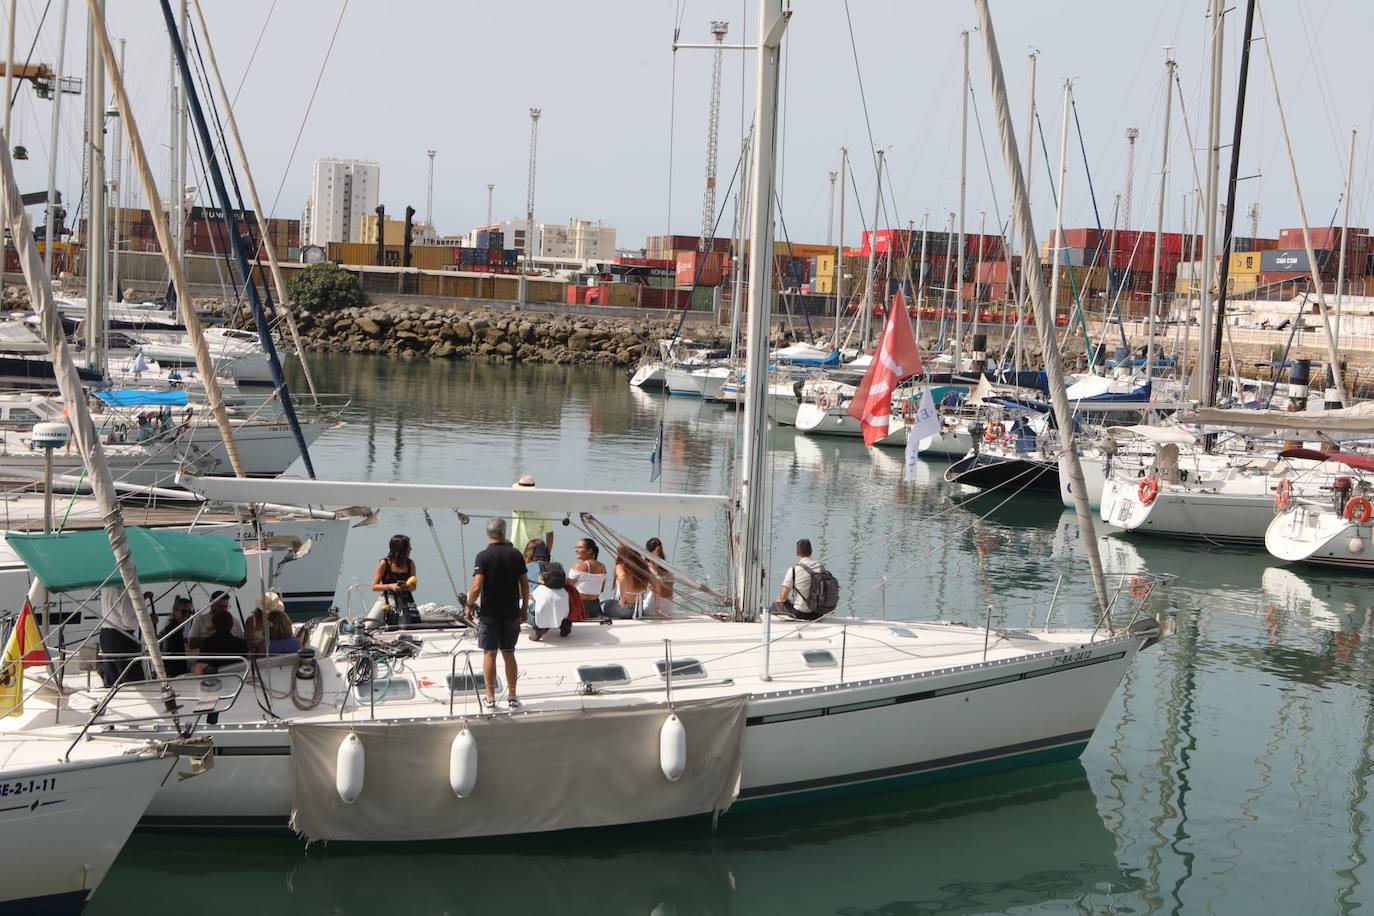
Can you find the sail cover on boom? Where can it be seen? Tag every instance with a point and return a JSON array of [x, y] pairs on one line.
[[83, 559]]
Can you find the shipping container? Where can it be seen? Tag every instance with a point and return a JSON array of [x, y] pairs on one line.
[[1244, 262], [692, 268], [1295, 259]]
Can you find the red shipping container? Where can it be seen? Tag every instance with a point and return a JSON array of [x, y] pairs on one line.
[[709, 274]]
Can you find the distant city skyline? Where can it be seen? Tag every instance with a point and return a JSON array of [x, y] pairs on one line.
[[605, 80]]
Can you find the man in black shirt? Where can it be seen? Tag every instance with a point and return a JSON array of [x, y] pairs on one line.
[[220, 642], [499, 579]]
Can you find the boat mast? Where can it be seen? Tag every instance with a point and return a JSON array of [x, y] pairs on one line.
[[839, 248], [231, 225], [1058, 246], [752, 563], [49, 236], [869, 298], [74, 397], [1022, 291], [1336, 382], [1224, 272], [95, 193], [117, 189], [1044, 315], [1169, 65], [963, 188], [741, 208], [205, 365], [921, 276], [273, 264], [1345, 236], [1206, 393]]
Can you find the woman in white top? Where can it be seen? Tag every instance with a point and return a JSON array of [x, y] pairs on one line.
[[588, 576]]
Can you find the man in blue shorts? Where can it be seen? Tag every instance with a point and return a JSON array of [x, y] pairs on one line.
[[499, 580]]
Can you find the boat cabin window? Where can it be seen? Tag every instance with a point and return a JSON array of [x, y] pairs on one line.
[[468, 683], [682, 667], [603, 674], [819, 658], [22, 415], [398, 688]]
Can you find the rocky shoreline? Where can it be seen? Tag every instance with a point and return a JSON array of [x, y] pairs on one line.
[[411, 332]]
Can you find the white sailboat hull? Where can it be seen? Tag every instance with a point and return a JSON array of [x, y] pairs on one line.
[[63, 824], [798, 744], [1094, 476], [1308, 534], [1182, 513], [814, 421], [949, 442]]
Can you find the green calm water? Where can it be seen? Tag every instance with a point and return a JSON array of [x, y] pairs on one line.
[[1230, 774]]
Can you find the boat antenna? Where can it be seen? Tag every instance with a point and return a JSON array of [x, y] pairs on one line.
[[1044, 318]]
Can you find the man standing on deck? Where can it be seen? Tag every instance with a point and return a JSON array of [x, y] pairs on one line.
[[528, 526], [499, 580], [118, 638]]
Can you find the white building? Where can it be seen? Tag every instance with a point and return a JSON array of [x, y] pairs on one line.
[[341, 191], [579, 240]]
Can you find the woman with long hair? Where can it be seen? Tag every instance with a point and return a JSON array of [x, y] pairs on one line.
[[631, 584], [661, 585], [395, 579], [588, 576]]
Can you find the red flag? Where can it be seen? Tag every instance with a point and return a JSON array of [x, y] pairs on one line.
[[895, 360]]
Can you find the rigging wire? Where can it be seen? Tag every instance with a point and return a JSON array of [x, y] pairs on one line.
[[248, 67], [309, 105]]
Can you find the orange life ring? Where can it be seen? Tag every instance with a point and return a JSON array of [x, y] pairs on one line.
[[1148, 490], [1359, 510], [995, 431], [1284, 495], [823, 400]]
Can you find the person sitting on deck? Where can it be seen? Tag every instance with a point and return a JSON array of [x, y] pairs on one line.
[[201, 623], [173, 636], [797, 597], [549, 605], [536, 555], [588, 576], [220, 642], [632, 579], [281, 638]]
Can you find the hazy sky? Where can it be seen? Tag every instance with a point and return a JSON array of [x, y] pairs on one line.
[[405, 76]]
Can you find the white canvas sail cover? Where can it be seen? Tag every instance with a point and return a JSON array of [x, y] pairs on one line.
[[535, 772], [1344, 421]]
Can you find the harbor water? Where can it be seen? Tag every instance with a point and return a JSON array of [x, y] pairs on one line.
[[1231, 772]]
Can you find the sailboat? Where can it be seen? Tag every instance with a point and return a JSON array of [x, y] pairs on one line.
[[644, 720]]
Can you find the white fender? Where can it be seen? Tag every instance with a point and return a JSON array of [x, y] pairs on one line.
[[1356, 546], [462, 764], [672, 748], [348, 769]]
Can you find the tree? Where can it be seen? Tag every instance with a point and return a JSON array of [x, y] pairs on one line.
[[324, 287]]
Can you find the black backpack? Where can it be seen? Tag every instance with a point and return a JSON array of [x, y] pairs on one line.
[[553, 575], [824, 594]]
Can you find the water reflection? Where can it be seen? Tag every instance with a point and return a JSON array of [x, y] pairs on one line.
[[986, 845]]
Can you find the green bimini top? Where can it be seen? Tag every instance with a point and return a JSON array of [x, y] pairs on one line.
[[83, 559]]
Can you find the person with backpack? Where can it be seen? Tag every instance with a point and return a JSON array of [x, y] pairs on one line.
[[808, 590], [549, 605]]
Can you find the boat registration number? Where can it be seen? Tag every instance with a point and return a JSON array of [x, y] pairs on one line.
[[26, 786], [1072, 658]]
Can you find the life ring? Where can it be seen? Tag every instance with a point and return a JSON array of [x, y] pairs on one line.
[[995, 431], [823, 400], [1358, 510], [908, 409], [1009, 440], [1284, 495], [1148, 490], [1140, 587]]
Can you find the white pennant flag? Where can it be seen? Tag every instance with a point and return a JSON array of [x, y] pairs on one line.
[[926, 423]]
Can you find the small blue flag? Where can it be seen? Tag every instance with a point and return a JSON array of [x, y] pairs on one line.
[[656, 456]]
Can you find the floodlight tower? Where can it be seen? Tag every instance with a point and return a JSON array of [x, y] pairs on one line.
[[1131, 135], [429, 191], [1254, 214], [529, 191], [708, 200]]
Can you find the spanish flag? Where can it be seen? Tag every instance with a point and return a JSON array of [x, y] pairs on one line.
[[25, 649]]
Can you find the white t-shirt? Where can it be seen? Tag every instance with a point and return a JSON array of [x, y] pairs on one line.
[[587, 583], [798, 579], [118, 611], [200, 625], [550, 606]]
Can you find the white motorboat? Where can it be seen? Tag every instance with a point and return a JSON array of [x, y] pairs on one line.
[[66, 810], [649, 375]]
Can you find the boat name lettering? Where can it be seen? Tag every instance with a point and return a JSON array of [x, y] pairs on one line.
[[1072, 658]]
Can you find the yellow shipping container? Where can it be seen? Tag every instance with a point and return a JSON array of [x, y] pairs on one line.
[[431, 257], [1242, 283], [1245, 262], [824, 285], [624, 295]]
